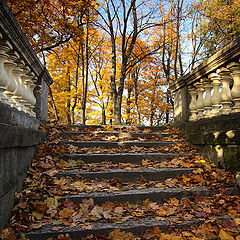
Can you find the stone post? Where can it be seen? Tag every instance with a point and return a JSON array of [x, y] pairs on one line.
[[225, 95], [199, 103], [216, 102], [181, 105], [207, 100], [192, 105], [235, 92]]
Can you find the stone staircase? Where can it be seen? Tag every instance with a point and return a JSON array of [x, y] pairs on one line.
[[81, 171]]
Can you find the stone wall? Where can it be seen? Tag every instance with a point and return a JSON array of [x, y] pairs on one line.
[[218, 138], [207, 106], [18, 143], [24, 86]]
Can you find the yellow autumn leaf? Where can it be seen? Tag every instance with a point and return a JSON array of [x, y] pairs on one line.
[[162, 212], [224, 235], [65, 213], [51, 201], [38, 215]]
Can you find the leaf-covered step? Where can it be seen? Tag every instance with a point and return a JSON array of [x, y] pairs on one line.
[[100, 228], [136, 196], [122, 157], [105, 144], [119, 134], [133, 175], [121, 127]]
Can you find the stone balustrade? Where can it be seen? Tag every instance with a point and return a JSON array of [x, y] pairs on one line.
[[211, 89], [23, 80], [17, 81], [207, 107]]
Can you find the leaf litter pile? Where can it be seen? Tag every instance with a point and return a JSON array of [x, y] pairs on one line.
[[44, 201]]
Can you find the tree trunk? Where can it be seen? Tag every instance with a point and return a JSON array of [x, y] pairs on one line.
[[53, 104], [128, 108], [117, 108], [103, 116]]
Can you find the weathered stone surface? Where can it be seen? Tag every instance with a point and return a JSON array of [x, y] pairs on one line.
[[134, 175], [139, 195], [17, 148], [121, 157], [12, 116], [19, 137], [120, 134], [218, 138], [6, 204], [105, 144], [99, 228]]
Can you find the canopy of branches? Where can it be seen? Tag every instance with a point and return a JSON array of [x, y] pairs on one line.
[[112, 60]]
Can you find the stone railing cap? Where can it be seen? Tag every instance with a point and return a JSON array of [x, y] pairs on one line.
[[223, 56]]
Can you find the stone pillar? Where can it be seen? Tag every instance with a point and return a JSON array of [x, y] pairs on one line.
[[215, 99], [207, 100], [192, 105], [235, 92], [4, 48], [225, 95], [9, 65], [199, 103], [181, 105]]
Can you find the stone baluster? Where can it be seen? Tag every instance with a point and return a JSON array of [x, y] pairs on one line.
[[199, 103], [23, 78], [215, 99], [4, 48], [192, 105], [32, 99], [27, 83], [11, 87], [207, 100], [17, 94], [235, 92], [225, 95]]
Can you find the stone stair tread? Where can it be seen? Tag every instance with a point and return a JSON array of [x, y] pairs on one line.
[[120, 134], [113, 144], [101, 228], [138, 195], [121, 157], [132, 175], [152, 128]]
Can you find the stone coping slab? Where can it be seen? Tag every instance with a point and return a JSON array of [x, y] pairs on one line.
[[19, 137]]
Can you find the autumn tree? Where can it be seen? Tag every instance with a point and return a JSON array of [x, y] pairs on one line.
[[48, 23], [126, 21], [220, 18]]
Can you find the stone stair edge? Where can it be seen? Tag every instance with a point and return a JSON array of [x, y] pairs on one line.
[[136, 196], [99, 228], [125, 176]]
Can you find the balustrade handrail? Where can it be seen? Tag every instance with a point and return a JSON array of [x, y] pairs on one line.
[[20, 68], [223, 56], [214, 87]]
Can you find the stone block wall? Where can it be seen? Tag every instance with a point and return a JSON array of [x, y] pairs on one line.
[[19, 139], [218, 138]]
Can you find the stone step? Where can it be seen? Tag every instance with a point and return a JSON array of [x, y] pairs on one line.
[[120, 134], [134, 158], [141, 128], [101, 228], [137, 196], [113, 144], [129, 176]]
